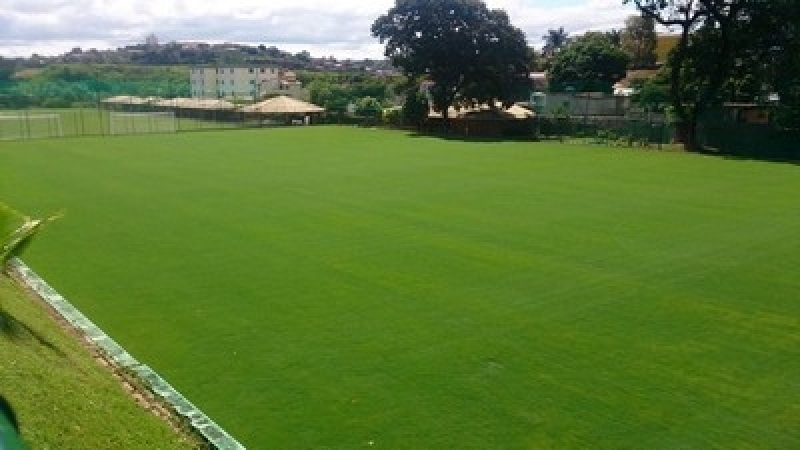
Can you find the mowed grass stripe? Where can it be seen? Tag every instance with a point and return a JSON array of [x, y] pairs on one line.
[[327, 287]]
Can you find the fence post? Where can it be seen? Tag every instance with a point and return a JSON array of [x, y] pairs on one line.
[[27, 124]]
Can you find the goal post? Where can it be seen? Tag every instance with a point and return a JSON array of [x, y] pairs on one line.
[[30, 126], [141, 122]]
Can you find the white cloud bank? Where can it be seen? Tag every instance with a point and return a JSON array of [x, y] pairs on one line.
[[339, 28]]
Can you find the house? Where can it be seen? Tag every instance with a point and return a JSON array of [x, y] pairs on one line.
[[243, 82], [664, 44], [625, 86]]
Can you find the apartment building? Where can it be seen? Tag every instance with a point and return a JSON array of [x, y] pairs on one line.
[[240, 82]]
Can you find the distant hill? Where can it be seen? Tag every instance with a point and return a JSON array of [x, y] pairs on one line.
[[201, 53]]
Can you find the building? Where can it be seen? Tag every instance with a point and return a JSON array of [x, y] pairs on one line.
[[151, 41], [248, 83]]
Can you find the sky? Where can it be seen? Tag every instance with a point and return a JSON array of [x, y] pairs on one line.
[[339, 28]]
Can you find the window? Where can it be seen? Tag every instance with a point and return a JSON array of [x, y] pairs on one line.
[[251, 70], [262, 70], [252, 81], [231, 69]]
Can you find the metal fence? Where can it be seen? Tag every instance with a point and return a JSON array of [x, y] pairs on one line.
[[612, 130]]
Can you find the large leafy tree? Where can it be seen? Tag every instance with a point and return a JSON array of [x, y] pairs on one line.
[[588, 63], [727, 49], [471, 54], [638, 40]]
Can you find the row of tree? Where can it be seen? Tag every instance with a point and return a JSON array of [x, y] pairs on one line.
[[637, 40], [465, 53], [471, 54]]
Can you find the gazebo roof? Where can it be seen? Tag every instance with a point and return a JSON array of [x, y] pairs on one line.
[[282, 105], [483, 112], [126, 99]]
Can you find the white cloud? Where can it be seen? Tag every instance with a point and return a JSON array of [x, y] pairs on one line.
[[340, 28]]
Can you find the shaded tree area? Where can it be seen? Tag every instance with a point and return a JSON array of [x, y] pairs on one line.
[[729, 50], [470, 53]]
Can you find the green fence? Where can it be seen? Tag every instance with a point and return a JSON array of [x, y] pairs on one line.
[[760, 141]]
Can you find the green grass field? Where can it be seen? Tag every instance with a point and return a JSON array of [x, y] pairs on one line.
[[61, 397], [333, 287]]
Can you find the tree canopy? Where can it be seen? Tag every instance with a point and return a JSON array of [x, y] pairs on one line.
[[729, 49], [588, 63], [471, 54], [638, 40]]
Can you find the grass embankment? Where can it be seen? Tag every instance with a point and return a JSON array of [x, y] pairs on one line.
[[332, 287], [63, 398]]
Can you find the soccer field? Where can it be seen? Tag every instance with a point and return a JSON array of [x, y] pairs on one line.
[[333, 287]]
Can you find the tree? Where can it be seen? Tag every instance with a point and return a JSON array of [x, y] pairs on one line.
[[554, 40], [415, 108], [638, 40], [721, 43], [652, 95], [369, 107], [588, 63], [7, 68], [465, 49]]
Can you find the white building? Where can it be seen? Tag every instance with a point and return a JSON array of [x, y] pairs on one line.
[[242, 82]]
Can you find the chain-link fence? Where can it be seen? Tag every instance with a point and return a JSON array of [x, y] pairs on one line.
[[68, 109], [611, 130]]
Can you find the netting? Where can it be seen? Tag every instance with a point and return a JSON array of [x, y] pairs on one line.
[[30, 126], [212, 432], [141, 122]]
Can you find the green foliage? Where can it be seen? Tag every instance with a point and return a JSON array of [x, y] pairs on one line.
[[17, 232], [68, 84], [737, 50], [469, 52], [652, 94], [416, 107], [588, 63], [370, 108], [393, 116], [335, 91]]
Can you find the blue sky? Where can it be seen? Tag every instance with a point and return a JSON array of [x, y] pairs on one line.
[[337, 28]]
